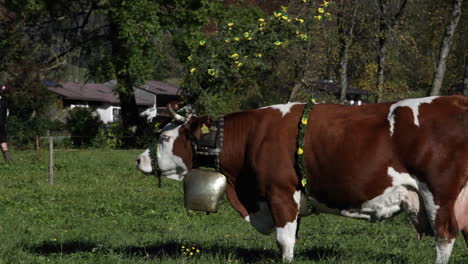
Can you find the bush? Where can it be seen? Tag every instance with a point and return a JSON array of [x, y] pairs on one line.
[[83, 126], [109, 136]]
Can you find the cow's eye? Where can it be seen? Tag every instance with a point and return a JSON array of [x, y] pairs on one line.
[[165, 138]]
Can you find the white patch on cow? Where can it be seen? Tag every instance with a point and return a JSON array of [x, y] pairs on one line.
[[171, 165], [413, 104], [443, 250], [395, 198], [283, 108], [286, 236], [401, 178], [429, 203], [261, 220], [297, 199], [144, 162]]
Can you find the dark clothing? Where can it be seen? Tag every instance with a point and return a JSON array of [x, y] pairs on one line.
[[3, 118]]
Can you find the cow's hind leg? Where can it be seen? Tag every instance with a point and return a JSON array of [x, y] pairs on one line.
[[443, 221], [285, 216]]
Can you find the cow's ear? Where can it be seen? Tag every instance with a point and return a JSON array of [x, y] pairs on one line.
[[199, 126]]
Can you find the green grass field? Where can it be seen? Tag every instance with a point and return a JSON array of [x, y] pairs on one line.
[[102, 210]]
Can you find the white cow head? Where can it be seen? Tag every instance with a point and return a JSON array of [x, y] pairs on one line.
[[173, 149]]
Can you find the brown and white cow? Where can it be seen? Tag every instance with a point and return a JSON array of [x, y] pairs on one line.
[[367, 162]]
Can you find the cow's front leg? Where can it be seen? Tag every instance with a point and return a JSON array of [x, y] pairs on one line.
[[284, 209], [446, 230], [444, 248]]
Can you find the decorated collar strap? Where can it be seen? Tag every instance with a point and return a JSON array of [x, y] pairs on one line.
[[301, 170], [153, 151]]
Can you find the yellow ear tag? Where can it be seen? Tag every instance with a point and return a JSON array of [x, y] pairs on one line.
[[204, 129]]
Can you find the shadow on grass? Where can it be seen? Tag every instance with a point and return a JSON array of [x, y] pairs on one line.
[[174, 250], [162, 250], [68, 247]]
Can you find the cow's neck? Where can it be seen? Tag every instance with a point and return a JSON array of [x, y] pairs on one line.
[[208, 149]]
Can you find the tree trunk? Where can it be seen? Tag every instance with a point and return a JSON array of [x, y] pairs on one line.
[[124, 88], [388, 21], [445, 47], [344, 71], [465, 79], [380, 67], [292, 95], [346, 20]]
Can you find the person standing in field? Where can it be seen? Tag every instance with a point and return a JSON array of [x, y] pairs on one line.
[[3, 121]]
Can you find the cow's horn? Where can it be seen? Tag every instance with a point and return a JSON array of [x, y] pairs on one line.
[[175, 115]]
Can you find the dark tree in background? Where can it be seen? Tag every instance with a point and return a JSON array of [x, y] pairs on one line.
[[390, 13]]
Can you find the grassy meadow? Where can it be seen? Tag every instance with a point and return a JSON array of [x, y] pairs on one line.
[[102, 210]]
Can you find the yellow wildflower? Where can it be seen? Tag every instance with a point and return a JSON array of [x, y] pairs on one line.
[[236, 38], [193, 70], [277, 43], [319, 18], [284, 8], [189, 58], [300, 151], [212, 72], [304, 182], [304, 121], [230, 24], [258, 55], [198, 251], [239, 64], [202, 42], [325, 3], [234, 56], [300, 20], [321, 10], [277, 14], [227, 40], [261, 20], [313, 100], [246, 34]]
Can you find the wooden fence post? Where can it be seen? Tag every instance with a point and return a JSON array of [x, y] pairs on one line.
[[51, 158], [38, 145]]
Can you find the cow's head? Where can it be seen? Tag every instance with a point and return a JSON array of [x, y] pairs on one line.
[[173, 149]]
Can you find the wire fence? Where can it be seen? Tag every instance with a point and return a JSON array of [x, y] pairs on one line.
[[70, 142], [48, 144]]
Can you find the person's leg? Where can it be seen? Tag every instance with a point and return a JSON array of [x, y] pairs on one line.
[[6, 153]]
